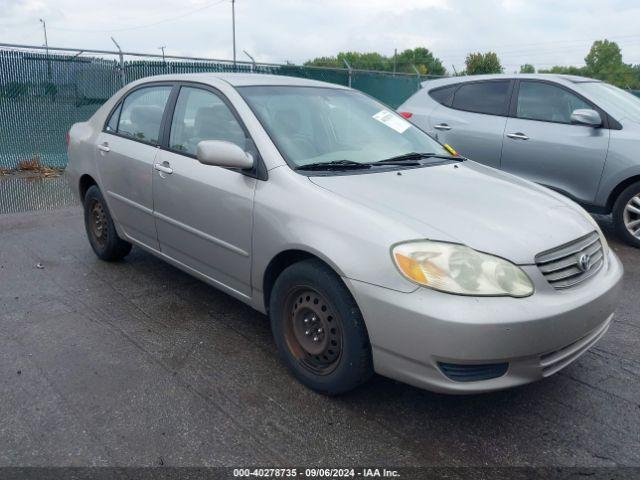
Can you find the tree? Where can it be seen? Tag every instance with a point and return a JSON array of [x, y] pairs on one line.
[[422, 58], [478, 63], [603, 58], [527, 68], [604, 61]]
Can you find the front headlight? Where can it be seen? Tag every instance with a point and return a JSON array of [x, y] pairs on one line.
[[453, 268]]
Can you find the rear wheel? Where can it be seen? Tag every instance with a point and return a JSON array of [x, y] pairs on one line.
[[626, 215], [101, 230], [319, 329]]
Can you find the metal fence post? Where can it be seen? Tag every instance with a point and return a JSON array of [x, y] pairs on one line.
[[122, 75], [418, 74], [349, 68]]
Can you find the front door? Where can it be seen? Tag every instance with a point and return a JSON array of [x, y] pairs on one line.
[[204, 213], [126, 151], [541, 144]]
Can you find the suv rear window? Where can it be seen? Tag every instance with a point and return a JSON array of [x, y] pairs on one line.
[[443, 95], [482, 97]]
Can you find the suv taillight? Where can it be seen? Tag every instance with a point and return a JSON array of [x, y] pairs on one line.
[[406, 114]]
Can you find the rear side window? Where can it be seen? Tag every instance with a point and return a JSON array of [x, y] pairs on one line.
[[482, 97], [542, 101], [141, 114], [444, 95]]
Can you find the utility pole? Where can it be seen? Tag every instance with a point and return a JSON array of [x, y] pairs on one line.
[[395, 58], [233, 27], [46, 46]]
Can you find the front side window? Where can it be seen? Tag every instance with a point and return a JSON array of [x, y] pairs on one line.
[[546, 102], [320, 125], [141, 114], [482, 97], [202, 115]]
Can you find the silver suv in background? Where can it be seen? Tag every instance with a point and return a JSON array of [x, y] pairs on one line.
[[575, 135]]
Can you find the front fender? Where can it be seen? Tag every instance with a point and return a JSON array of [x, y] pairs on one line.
[[292, 213]]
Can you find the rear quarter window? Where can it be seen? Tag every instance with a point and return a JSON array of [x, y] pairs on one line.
[[443, 95]]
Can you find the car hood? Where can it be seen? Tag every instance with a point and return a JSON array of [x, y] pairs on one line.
[[468, 203]]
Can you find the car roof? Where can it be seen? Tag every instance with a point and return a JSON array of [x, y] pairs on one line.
[[439, 82], [242, 79]]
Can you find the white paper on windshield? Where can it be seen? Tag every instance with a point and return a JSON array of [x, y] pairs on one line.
[[392, 121]]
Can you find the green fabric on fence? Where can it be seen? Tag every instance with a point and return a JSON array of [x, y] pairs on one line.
[[42, 95]]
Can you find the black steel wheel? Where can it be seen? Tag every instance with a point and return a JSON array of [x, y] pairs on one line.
[[101, 230], [313, 330], [318, 328]]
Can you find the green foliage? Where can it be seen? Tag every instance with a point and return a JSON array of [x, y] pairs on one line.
[[422, 58], [604, 62], [478, 63], [527, 68]]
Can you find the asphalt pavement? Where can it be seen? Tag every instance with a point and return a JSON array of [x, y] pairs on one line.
[[137, 363]]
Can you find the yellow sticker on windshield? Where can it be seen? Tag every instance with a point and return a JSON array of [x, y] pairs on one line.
[[450, 149]]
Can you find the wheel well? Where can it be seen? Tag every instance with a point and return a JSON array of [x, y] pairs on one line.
[[277, 266], [86, 181], [618, 190]]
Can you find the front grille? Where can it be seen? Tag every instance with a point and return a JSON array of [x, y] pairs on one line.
[[473, 373], [573, 262]]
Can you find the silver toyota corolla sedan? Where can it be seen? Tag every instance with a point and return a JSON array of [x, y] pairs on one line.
[[370, 246]]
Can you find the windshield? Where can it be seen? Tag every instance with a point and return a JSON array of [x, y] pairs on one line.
[[311, 125], [615, 101]]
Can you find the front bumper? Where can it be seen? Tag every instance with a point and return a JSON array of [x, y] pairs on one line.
[[411, 333]]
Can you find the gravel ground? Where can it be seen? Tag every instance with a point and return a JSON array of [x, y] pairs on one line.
[[136, 363]]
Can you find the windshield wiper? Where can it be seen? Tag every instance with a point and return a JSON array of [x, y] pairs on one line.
[[412, 157], [334, 165]]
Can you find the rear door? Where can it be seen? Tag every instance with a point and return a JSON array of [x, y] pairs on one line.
[[472, 119], [541, 144], [126, 151], [204, 213]]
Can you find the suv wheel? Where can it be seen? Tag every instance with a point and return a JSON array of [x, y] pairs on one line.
[[626, 214], [318, 329], [100, 228]]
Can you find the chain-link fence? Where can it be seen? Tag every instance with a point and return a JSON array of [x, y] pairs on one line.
[[45, 91]]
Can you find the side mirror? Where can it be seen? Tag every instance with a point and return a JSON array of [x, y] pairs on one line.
[[586, 116], [223, 154]]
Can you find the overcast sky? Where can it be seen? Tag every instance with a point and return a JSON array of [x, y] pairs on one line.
[[543, 33]]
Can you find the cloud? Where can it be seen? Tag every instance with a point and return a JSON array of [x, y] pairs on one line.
[[543, 33]]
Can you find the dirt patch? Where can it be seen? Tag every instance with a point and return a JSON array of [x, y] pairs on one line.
[[32, 168]]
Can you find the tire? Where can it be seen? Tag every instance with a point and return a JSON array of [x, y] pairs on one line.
[[100, 228], [626, 215], [328, 352]]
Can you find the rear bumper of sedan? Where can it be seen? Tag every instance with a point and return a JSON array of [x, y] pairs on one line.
[[458, 344]]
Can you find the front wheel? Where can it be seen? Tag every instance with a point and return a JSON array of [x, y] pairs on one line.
[[626, 215], [318, 329]]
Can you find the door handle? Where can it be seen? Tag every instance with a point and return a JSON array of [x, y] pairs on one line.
[[442, 126], [517, 136], [104, 147], [163, 168]]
